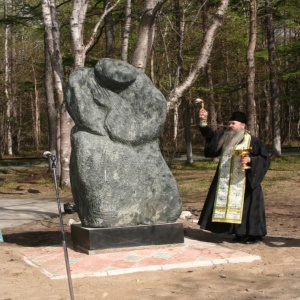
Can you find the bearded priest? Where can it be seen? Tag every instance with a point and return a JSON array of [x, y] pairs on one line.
[[235, 200]]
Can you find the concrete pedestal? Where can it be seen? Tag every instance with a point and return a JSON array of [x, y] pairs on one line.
[[90, 240]]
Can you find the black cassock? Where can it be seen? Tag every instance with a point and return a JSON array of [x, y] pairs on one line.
[[253, 219]]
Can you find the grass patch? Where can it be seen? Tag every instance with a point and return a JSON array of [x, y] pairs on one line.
[[13, 180], [197, 166], [291, 162], [22, 162], [193, 180], [196, 178]]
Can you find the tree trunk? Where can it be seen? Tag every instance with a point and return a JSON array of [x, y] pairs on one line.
[[77, 21], [187, 130], [2, 135], [276, 139], [126, 31], [52, 36], [176, 118], [298, 124], [109, 32], [66, 124], [146, 33], [7, 88], [212, 117], [251, 111], [266, 118], [152, 73], [16, 130], [51, 108], [36, 113]]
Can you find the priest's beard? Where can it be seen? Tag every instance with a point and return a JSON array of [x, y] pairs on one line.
[[230, 138]]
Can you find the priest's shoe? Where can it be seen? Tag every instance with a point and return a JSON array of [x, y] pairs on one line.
[[251, 240], [238, 239]]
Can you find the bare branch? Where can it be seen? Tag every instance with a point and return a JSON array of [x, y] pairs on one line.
[[204, 55], [94, 34]]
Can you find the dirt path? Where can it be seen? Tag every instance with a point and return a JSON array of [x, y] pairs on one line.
[[275, 276]]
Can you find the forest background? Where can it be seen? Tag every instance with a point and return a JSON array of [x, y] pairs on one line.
[[236, 55]]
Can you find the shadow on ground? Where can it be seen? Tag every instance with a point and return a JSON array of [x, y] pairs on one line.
[[270, 241], [35, 238]]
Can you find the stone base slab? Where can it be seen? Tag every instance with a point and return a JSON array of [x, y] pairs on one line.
[[89, 240]]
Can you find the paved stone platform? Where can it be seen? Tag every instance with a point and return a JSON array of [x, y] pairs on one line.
[[190, 254]]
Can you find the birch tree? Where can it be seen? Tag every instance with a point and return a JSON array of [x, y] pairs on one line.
[[126, 31], [17, 111], [7, 87], [65, 122], [251, 113], [35, 104], [50, 99], [146, 33], [77, 21], [276, 136], [203, 57], [209, 78]]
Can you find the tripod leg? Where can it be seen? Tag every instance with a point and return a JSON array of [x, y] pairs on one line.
[[64, 243]]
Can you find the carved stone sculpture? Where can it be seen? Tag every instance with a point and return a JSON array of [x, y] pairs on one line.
[[118, 175]]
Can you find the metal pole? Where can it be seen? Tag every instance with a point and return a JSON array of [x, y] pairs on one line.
[[52, 158]]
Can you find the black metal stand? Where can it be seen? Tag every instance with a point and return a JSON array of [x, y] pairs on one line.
[[52, 159]]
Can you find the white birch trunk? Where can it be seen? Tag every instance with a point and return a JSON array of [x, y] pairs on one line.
[[7, 87], [176, 118], [276, 132], [52, 36], [36, 112], [126, 30], [51, 107], [146, 34], [77, 25], [77, 21]]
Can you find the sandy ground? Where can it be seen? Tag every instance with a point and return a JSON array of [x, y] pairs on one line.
[[275, 276]]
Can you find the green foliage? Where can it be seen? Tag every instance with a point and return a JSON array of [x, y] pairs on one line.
[[292, 76], [262, 54], [228, 59]]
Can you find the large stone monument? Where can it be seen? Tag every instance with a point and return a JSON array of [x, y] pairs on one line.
[[119, 178]]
